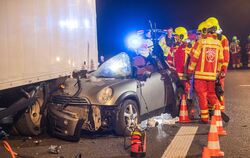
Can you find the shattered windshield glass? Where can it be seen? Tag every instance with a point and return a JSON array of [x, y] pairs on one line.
[[118, 66]]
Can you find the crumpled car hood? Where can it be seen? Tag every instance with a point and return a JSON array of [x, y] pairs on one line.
[[91, 87]]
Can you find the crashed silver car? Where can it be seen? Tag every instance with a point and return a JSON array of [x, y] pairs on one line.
[[115, 97]]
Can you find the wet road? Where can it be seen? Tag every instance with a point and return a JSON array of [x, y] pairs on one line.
[[235, 145]]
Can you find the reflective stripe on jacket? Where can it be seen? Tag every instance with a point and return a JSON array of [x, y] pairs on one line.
[[206, 58]]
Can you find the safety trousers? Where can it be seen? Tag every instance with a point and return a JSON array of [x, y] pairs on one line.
[[187, 86], [205, 91], [236, 60], [222, 99]]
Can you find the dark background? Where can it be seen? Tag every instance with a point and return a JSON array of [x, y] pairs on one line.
[[117, 18]]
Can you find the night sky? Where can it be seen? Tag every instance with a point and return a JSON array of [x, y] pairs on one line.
[[117, 18]]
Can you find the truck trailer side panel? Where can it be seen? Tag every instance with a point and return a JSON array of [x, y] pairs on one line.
[[45, 39]]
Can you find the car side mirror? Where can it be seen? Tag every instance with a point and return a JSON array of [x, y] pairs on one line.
[[144, 76]]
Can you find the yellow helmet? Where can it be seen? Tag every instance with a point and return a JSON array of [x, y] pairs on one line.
[[201, 26], [182, 32], [208, 24], [214, 21]]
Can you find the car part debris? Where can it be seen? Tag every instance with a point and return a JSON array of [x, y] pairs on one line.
[[79, 155], [64, 123], [37, 142], [54, 149], [3, 134]]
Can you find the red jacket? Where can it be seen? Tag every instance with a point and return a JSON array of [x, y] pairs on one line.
[[181, 54], [206, 58], [226, 54]]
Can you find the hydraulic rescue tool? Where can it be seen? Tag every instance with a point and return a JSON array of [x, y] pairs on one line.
[[219, 93]]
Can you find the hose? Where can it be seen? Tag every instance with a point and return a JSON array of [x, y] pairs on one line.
[[9, 149]]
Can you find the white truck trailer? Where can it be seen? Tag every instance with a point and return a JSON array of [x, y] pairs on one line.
[[41, 43]]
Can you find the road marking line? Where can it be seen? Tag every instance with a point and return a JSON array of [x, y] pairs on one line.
[[245, 85], [181, 143]]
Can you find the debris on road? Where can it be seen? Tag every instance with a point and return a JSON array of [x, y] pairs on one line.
[[161, 119], [37, 142], [54, 149], [3, 134], [79, 155]]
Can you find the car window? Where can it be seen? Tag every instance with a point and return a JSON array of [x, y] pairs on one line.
[[118, 66]]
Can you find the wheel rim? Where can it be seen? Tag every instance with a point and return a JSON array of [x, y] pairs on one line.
[[34, 111], [130, 116]]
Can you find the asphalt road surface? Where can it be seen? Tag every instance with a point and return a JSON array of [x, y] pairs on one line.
[[235, 145]]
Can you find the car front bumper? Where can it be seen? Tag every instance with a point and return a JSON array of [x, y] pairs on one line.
[[65, 121]]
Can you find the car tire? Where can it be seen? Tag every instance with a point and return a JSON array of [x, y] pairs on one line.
[[30, 122], [128, 114]]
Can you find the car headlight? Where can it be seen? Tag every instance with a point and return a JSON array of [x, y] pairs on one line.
[[105, 95]]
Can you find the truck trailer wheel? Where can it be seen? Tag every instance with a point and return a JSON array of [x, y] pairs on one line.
[[30, 122]]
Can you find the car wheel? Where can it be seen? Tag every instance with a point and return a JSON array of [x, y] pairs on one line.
[[128, 116], [30, 121]]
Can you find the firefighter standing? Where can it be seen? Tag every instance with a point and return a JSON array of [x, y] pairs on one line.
[[166, 44], [181, 52], [201, 31], [235, 51], [248, 51], [206, 59], [225, 44]]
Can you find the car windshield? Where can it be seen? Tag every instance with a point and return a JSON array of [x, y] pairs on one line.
[[118, 66]]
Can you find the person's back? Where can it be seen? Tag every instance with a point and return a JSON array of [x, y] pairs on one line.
[[208, 56]]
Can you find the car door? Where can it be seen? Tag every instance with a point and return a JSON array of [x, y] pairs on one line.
[[151, 93]]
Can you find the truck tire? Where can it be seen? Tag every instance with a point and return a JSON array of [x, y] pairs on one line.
[[127, 115], [30, 121]]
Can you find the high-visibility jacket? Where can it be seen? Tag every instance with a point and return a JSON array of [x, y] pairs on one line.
[[164, 46], [234, 47], [181, 54], [206, 58], [226, 54]]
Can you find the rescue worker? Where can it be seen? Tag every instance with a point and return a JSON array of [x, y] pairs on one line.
[[147, 45], [181, 52], [101, 61], [201, 30], [225, 44], [166, 44], [235, 51], [170, 38], [206, 59], [248, 51]]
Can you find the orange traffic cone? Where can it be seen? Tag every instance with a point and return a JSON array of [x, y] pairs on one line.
[[213, 140], [206, 153], [183, 117], [217, 114]]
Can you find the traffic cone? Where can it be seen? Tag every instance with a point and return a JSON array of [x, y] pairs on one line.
[[183, 117], [206, 153], [217, 114], [213, 140]]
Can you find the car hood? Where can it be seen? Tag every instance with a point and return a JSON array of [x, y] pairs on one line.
[[92, 86]]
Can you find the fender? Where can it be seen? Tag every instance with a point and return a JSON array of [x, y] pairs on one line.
[[128, 95]]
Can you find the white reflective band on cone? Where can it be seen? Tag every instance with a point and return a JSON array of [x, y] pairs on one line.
[[213, 129], [183, 113], [219, 123], [213, 145]]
